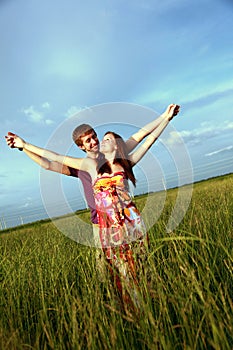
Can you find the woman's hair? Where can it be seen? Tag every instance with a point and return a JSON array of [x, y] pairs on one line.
[[121, 158]]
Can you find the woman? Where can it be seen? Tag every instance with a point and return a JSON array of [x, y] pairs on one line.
[[121, 229]]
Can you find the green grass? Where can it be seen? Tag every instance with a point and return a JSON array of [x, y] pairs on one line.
[[51, 297]]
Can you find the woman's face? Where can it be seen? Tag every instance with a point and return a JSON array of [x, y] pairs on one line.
[[108, 144]]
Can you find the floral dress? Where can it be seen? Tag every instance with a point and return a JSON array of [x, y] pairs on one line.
[[121, 228]]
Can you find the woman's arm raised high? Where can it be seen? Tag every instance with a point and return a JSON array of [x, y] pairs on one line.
[[137, 155]]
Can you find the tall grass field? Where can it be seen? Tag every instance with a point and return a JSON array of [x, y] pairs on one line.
[[53, 297]]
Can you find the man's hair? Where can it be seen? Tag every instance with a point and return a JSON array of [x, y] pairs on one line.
[[80, 131]]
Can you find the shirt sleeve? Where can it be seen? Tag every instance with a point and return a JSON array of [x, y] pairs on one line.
[[74, 172]]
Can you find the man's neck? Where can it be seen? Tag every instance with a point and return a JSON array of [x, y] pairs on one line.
[[92, 155]]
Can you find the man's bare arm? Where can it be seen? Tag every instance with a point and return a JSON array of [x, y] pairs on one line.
[[47, 164], [15, 141]]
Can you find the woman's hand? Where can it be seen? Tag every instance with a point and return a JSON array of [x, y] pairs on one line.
[[172, 110]]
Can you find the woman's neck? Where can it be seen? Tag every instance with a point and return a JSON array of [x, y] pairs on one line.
[[110, 157]]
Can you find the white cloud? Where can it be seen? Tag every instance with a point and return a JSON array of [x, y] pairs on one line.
[[49, 122], [193, 95], [206, 131], [36, 116], [173, 138], [229, 148], [27, 203], [46, 105], [33, 115], [73, 110]]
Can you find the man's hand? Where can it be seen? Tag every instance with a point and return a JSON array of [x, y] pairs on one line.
[[172, 110], [14, 141]]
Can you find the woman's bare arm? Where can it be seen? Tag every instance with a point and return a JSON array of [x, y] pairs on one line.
[[137, 155], [156, 126]]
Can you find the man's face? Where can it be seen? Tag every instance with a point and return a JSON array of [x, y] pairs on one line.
[[90, 143]]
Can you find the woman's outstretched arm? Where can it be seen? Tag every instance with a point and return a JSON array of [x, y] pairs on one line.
[[137, 155], [157, 126]]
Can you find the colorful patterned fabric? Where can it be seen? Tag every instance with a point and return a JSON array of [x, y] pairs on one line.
[[122, 233], [120, 222]]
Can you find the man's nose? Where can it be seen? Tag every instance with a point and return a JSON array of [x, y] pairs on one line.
[[94, 142]]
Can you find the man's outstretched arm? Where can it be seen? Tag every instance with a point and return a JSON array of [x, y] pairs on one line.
[[47, 164], [42, 161], [159, 123], [85, 164]]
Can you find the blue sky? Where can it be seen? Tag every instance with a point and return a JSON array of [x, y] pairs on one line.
[[60, 57]]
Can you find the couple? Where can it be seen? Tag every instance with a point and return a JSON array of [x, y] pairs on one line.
[[105, 173]]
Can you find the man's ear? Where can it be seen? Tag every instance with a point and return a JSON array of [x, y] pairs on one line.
[[82, 148]]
